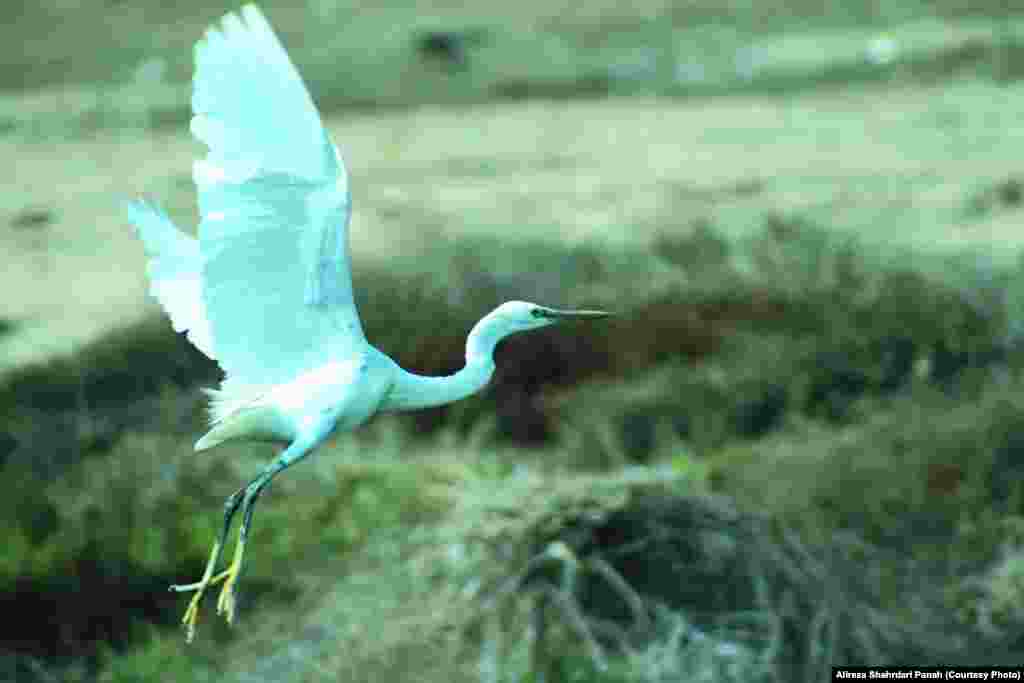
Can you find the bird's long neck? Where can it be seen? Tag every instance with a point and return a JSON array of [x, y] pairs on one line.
[[413, 391]]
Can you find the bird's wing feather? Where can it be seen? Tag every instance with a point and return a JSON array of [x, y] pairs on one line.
[[174, 267], [274, 204]]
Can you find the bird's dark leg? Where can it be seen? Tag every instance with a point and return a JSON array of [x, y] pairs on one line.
[[244, 498], [252, 491], [192, 612]]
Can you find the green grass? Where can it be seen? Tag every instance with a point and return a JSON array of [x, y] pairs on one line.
[[715, 323]]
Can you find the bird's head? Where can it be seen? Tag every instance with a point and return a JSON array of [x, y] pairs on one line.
[[519, 316]]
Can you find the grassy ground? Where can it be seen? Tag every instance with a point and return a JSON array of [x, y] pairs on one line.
[[806, 416]]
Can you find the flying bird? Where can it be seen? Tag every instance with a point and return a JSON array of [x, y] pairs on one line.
[[266, 288]]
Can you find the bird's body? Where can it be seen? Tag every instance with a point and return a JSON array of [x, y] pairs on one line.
[[343, 394], [339, 395], [266, 288]]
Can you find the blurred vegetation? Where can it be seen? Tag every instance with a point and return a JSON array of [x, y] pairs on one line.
[[356, 55], [797, 395], [793, 448]]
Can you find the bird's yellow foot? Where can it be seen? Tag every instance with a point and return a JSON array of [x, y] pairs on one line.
[[226, 602], [191, 617]]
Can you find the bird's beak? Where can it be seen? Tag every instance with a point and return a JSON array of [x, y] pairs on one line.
[[556, 314]]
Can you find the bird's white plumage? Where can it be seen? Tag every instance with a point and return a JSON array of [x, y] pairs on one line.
[[274, 205], [339, 394], [250, 105], [266, 290], [174, 272]]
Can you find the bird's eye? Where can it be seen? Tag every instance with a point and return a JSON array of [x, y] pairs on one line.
[[536, 312]]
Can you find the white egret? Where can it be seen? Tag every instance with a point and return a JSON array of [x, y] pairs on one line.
[[266, 288]]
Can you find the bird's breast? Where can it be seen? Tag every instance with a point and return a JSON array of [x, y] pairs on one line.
[[337, 395]]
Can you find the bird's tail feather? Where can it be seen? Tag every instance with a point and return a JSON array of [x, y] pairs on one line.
[[254, 423]]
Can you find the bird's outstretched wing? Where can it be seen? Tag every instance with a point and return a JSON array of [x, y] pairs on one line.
[[274, 204], [174, 271]]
